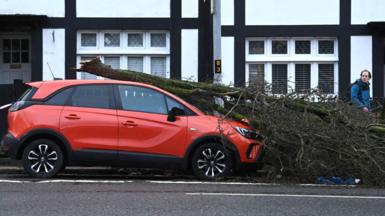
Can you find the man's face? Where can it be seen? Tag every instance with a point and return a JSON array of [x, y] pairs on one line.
[[365, 77]]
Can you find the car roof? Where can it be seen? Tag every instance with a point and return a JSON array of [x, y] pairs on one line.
[[46, 88]]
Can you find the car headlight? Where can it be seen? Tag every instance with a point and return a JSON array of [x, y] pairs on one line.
[[250, 134]]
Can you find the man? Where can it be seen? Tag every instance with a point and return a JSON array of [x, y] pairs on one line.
[[360, 91]]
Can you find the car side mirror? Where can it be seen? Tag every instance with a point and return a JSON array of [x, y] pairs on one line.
[[173, 113]]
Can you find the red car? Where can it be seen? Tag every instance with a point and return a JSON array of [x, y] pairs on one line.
[[124, 124]]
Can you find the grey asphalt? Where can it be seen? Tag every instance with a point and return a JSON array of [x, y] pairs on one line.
[[183, 197]]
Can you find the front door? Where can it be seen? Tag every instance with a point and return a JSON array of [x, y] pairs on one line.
[[15, 58], [143, 125]]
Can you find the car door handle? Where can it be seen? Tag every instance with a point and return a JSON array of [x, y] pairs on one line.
[[129, 123], [72, 116]]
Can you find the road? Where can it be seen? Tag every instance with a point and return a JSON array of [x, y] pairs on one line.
[[108, 192]]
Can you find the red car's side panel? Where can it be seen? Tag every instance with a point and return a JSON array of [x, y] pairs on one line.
[[90, 128], [151, 133], [34, 117]]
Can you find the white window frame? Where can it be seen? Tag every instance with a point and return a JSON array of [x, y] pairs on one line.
[[281, 39], [291, 59], [248, 47], [79, 40], [127, 32], [102, 35], [148, 45]]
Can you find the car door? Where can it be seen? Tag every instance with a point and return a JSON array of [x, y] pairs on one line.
[[143, 125], [89, 120]]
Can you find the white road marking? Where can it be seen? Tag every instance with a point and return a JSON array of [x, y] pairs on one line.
[[84, 181], [68, 181], [286, 195], [211, 183], [12, 181]]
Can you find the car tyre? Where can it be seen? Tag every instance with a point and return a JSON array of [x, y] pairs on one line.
[[42, 158], [211, 161]]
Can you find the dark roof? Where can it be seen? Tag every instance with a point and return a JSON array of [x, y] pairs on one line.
[[21, 21]]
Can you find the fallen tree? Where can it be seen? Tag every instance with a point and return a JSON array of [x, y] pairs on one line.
[[304, 139]]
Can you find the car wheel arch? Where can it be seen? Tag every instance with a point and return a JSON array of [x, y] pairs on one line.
[[211, 139], [46, 134]]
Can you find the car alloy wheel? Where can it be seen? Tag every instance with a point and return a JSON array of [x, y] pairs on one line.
[[211, 162], [42, 158]]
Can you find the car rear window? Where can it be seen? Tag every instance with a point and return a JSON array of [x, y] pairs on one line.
[[60, 97], [27, 95]]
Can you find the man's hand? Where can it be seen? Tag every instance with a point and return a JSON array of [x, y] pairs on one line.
[[365, 109]]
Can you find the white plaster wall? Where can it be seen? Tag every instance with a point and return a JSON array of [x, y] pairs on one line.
[[53, 53], [364, 11], [123, 8], [360, 56], [51, 8], [190, 54], [227, 12], [293, 12], [190, 8], [228, 60]]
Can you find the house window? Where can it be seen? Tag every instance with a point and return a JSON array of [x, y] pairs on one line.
[[302, 78], [294, 64], [134, 50], [113, 62], [257, 75], [326, 78], [158, 66], [302, 47], [15, 51], [88, 39], [111, 39], [326, 47], [158, 40], [135, 40], [279, 76], [279, 47], [256, 47], [135, 64]]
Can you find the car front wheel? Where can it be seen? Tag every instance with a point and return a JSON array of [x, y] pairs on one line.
[[211, 161], [42, 158]]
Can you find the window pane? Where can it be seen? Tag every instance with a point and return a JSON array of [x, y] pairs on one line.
[[15, 45], [88, 39], [302, 47], [326, 47], [302, 78], [158, 40], [16, 57], [171, 103], [95, 96], [114, 62], [326, 78], [279, 85], [158, 66], [6, 44], [256, 75], [6, 57], [135, 64], [60, 98], [142, 99], [135, 40], [25, 57], [279, 47], [25, 44], [256, 47], [111, 39]]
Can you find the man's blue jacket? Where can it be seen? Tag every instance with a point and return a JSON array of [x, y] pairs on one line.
[[360, 94]]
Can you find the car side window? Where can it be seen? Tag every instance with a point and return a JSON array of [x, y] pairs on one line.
[[95, 96], [59, 98], [142, 99], [173, 103]]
